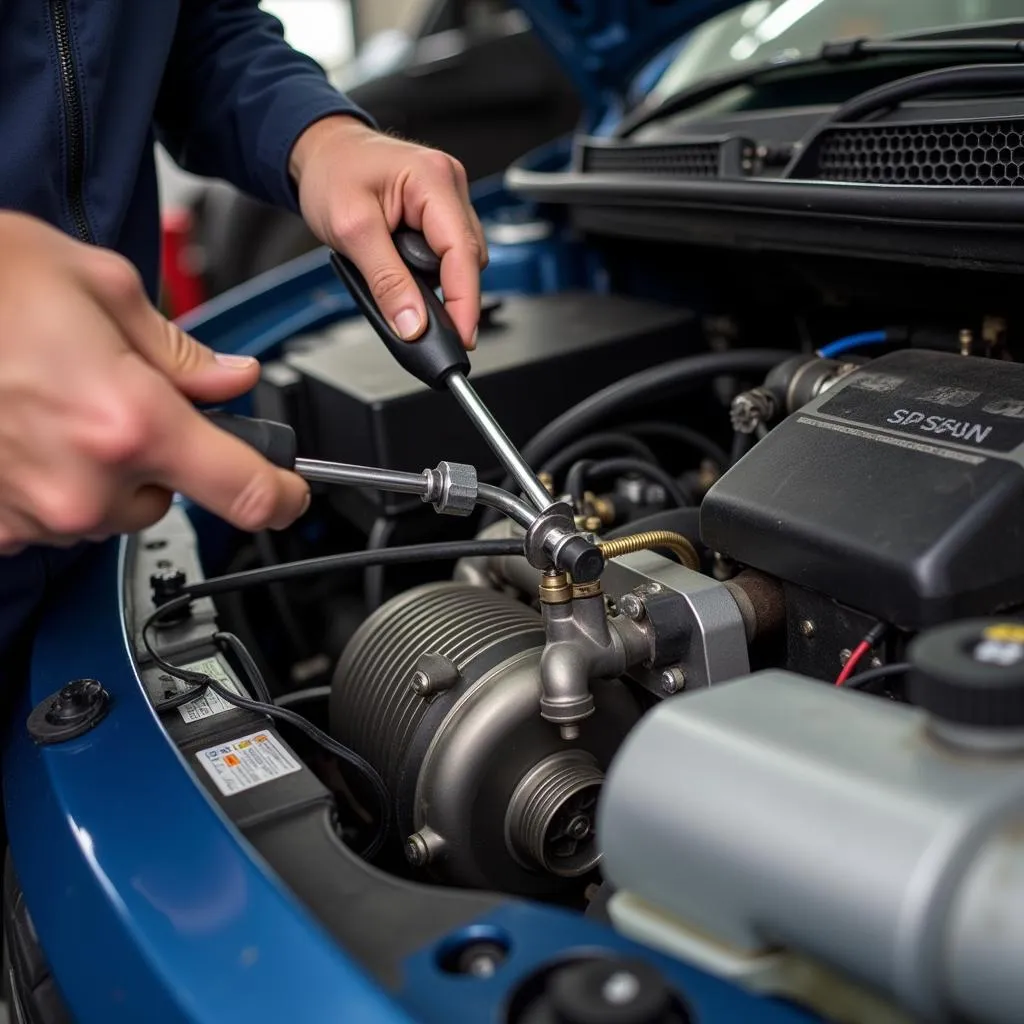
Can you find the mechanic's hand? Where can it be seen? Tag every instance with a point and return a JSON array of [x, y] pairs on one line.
[[96, 428], [356, 186]]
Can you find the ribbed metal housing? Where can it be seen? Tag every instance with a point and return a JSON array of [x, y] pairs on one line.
[[373, 710]]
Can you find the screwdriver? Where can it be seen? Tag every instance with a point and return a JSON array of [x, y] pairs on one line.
[[438, 358], [452, 488]]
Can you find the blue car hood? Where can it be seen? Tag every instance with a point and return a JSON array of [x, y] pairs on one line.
[[605, 44]]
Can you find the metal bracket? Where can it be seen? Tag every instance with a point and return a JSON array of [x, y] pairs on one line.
[[696, 623]]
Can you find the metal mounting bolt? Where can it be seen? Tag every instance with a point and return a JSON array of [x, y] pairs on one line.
[[580, 826], [808, 628], [673, 680], [422, 847], [632, 607], [844, 655], [416, 851]]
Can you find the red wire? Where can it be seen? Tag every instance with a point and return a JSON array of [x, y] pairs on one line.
[[851, 663]]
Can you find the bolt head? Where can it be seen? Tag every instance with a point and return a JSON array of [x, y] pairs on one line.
[[807, 628], [416, 852], [579, 827], [420, 683], [672, 680], [632, 607], [481, 960]]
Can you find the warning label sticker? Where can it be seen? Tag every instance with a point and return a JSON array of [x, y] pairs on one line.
[[209, 703], [247, 762]]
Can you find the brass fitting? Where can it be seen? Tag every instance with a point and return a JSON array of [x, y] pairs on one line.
[[555, 588]]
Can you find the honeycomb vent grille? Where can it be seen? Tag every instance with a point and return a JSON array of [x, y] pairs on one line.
[[695, 160], [960, 153]]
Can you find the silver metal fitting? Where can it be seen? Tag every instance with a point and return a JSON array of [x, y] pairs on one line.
[[422, 847], [451, 488], [751, 409], [673, 680], [632, 606]]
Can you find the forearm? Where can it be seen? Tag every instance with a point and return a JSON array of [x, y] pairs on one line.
[[236, 97]]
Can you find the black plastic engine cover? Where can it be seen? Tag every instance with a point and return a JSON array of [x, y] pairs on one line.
[[899, 492], [536, 357]]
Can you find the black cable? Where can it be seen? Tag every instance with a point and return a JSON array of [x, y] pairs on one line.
[[869, 681], [583, 471], [286, 700], [595, 442], [249, 666], [741, 444], [966, 76], [684, 435], [380, 535], [264, 545], [411, 554], [263, 707]]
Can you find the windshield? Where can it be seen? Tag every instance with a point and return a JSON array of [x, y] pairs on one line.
[[766, 31]]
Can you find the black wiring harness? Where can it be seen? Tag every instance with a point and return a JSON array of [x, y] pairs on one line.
[[350, 560]]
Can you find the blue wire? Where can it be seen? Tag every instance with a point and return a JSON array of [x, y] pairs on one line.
[[834, 348]]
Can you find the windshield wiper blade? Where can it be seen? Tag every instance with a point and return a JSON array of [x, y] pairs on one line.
[[837, 52], [843, 51]]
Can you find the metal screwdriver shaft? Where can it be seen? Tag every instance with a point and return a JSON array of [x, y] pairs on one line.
[[507, 453]]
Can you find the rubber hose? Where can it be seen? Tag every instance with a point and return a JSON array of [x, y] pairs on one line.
[[596, 442], [581, 472], [651, 385], [683, 435]]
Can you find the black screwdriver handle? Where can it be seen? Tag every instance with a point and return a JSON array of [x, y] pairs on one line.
[[274, 441], [439, 350]]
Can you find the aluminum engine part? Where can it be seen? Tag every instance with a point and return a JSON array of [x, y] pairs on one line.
[[439, 690], [829, 823], [697, 625]]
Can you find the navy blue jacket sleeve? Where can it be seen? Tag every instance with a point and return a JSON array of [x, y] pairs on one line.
[[235, 97]]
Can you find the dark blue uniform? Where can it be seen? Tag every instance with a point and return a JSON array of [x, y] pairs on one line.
[[86, 86]]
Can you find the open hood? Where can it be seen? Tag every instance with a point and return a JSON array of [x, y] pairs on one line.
[[604, 44]]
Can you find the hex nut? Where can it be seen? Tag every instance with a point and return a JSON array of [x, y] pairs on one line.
[[453, 490]]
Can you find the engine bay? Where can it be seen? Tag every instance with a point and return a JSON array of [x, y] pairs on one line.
[[771, 523]]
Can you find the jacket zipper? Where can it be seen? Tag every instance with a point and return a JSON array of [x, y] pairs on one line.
[[74, 118]]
